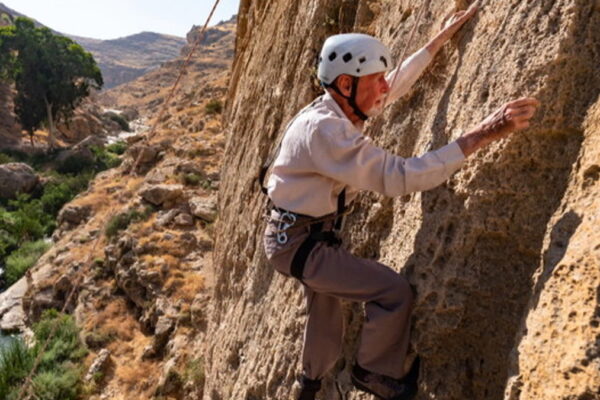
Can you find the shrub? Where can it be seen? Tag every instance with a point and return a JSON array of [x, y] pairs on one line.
[[59, 374], [59, 384], [28, 220], [119, 119], [15, 363], [22, 259], [214, 107], [105, 159], [75, 164], [191, 179], [118, 147], [121, 221], [5, 159], [194, 372]]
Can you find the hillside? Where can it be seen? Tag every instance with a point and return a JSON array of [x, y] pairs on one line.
[[151, 318], [125, 59], [214, 58]]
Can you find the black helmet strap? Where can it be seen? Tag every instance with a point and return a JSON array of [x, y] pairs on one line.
[[352, 98]]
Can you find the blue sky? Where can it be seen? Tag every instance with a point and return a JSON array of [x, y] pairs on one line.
[[110, 19]]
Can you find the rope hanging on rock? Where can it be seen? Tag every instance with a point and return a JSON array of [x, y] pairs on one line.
[[405, 50]]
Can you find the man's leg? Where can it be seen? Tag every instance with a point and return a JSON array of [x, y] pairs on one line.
[[388, 297], [322, 340], [323, 334]]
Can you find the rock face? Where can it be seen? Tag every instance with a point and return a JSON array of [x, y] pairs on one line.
[[504, 256], [16, 178]]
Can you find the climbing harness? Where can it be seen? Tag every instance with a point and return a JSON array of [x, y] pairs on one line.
[[287, 219]]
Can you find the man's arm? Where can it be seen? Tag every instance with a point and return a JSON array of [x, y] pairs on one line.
[[511, 117], [412, 68]]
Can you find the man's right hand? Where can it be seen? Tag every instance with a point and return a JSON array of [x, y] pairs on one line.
[[510, 117]]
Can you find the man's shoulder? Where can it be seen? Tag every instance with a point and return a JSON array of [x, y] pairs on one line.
[[320, 117]]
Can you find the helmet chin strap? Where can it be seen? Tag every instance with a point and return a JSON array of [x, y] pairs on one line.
[[352, 98]]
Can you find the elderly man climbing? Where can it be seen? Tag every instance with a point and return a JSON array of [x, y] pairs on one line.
[[323, 162]]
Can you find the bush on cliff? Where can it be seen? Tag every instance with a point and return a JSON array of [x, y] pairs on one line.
[[22, 259], [59, 374]]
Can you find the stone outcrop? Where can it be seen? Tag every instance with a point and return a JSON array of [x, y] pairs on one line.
[[504, 256], [16, 178]]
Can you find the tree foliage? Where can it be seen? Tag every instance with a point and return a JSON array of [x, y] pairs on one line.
[[52, 74]]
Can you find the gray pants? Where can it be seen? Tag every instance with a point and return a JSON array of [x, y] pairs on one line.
[[331, 273]]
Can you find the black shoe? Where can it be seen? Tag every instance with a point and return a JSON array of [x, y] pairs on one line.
[[385, 387], [310, 387]]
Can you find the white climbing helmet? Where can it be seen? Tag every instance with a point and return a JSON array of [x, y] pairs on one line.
[[354, 54]]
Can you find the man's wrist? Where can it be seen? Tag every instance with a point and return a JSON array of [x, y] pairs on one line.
[[474, 140]]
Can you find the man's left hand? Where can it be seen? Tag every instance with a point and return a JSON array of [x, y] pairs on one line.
[[456, 21]]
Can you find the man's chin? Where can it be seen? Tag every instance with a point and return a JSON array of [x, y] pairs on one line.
[[374, 111]]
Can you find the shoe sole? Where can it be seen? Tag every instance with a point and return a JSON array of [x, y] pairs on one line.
[[360, 386]]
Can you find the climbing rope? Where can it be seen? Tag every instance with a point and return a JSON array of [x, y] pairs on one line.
[[405, 49], [24, 393]]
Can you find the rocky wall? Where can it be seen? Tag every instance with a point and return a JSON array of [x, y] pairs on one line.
[[478, 249]]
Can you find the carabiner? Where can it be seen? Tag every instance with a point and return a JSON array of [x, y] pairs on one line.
[[282, 226]]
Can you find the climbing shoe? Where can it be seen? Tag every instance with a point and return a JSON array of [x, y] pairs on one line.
[[385, 387], [309, 388]]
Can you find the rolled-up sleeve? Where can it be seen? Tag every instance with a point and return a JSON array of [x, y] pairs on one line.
[[351, 158]]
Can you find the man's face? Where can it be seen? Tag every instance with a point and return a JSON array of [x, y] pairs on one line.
[[372, 90]]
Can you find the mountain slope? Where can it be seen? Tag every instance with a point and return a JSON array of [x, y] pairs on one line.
[[124, 59]]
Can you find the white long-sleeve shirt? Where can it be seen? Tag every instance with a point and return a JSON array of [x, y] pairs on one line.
[[322, 153]]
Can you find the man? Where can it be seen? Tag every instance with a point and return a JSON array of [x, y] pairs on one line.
[[324, 161]]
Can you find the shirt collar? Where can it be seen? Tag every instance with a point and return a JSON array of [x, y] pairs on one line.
[[335, 107]]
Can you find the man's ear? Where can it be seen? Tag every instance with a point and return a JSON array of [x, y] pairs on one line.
[[344, 83]]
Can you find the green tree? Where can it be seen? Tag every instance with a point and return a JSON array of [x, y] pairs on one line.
[[6, 53], [52, 74]]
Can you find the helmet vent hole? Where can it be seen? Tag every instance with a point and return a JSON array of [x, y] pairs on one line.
[[384, 61], [347, 57], [362, 60], [332, 56]]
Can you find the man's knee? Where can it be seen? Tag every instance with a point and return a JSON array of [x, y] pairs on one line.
[[405, 290], [398, 293]]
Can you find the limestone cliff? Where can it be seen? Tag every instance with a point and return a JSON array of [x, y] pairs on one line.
[[505, 256]]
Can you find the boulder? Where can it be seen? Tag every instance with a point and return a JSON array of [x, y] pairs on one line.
[[98, 365], [16, 178], [73, 215], [203, 208], [184, 219], [161, 194]]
